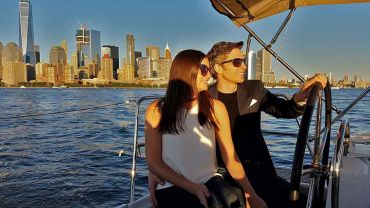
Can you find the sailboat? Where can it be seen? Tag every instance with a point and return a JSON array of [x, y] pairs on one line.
[[340, 180]]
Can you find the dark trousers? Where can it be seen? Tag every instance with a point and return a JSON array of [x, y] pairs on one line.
[[273, 189], [176, 197], [223, 195]]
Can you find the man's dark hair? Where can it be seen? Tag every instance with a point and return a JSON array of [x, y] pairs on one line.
[[218, 52]]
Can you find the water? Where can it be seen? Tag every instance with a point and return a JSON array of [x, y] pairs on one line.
[[71, 160]]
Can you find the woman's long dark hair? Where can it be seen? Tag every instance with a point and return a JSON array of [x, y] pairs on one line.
[[179, 94]]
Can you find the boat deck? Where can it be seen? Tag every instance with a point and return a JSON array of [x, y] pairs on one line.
[[282, 172]]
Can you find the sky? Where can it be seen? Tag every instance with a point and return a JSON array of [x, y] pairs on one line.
[[332, 38]]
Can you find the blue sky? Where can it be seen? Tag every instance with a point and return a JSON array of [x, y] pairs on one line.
[[332, 38]]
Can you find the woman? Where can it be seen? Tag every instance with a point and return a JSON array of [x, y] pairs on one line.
[[181, 132]]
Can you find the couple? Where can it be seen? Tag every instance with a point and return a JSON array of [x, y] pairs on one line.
[[195, 127]]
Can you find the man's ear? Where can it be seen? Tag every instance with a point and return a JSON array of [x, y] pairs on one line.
[[218, 69]]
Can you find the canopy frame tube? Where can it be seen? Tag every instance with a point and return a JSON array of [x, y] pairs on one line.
[[248, 48], [282, 26]]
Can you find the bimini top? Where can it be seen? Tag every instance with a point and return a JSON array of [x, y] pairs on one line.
[[247, 11]]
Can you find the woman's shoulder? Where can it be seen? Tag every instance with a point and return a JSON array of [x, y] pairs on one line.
[[153, 110], [219, 107], [217, 104]]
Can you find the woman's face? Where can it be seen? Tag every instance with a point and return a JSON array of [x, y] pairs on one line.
[[203, 76]]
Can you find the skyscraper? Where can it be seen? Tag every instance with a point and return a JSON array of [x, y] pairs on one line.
[[167, 53], [63, 44], [26, 39], [11, 52], [74, 62], [68, 74], [95, 47], [14, 70], [113, 52], [106, 72], [58, 59], [138, 54], [251, 68], [144, 67], [88, 46], [130, 47], [42, 72], [164, 66], [37, 53], [153, 53], [1, 61], [263, 67], [57, 55], [82, 45]]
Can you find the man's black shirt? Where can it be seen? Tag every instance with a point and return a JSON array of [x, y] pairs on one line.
[[244, 107]]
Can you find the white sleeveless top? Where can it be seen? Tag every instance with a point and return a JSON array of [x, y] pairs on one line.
[[192, 153]]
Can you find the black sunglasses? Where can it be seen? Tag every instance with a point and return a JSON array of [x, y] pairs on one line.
[[205, 69], [237, 62]]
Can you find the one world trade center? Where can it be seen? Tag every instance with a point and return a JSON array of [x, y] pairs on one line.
[[26, 40]]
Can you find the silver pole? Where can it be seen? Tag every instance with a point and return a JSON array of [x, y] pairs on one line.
[[134, 154], [336, 161], [248, 45], [350, 106], [133, 167], [287, 19]]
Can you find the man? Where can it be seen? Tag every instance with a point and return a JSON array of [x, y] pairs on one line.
[[244, 100]]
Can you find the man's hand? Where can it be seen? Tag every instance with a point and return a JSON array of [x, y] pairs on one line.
[[153, 182], [301, 97]]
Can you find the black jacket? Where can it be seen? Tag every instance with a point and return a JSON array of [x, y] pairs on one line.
[[247, 135]]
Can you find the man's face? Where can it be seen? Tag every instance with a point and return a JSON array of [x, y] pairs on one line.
[[233, 67]]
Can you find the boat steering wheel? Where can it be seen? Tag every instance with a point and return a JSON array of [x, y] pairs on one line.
[[321, 149]]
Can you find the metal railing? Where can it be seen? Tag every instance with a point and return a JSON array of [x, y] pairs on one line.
[[343, 134], [135, 143]]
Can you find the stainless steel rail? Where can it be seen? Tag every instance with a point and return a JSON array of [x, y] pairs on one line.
[[133, 167], [343, 133], [349, 107]]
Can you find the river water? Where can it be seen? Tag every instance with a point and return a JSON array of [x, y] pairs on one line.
[[71, 159]]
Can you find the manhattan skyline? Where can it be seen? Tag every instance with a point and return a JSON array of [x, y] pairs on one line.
[[319, 39]]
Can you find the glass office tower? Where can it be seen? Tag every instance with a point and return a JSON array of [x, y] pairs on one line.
[[88, 46], [26, 39]]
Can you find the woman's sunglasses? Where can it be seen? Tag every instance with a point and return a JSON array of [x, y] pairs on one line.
[[237, 62], [205, 69]]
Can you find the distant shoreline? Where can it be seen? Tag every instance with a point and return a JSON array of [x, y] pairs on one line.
[[154, 88], [83, 88]]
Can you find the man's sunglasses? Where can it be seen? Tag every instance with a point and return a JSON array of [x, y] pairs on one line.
[[205, 69], [237, 62]]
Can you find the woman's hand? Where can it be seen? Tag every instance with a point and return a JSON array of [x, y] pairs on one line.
[[247, 199], [153, 182], [254, 201], [201, 191]]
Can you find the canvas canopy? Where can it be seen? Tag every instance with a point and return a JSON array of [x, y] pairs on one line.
[[247, 11]]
